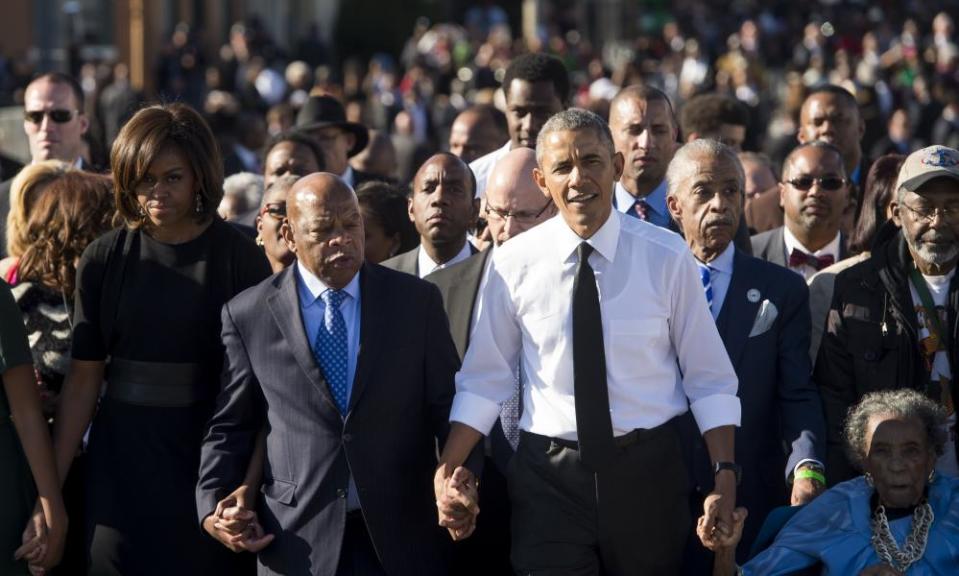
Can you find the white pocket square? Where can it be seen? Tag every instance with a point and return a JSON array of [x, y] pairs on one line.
[[764, 318]]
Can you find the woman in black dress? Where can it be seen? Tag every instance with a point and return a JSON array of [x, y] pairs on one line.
[[147, 322]]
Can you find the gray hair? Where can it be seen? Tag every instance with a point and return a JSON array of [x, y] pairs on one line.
[[903, 403], [684, 162], [574, 119], [245, 185]]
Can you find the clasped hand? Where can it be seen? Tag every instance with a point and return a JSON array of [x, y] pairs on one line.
[[457, 500], [43, 540], [235, 524]]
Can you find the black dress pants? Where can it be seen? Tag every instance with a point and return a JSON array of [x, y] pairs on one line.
[[357, 555], [568, 520]]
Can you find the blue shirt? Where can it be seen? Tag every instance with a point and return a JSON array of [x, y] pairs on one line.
[[720, 275], [308, 289], [657, 213]]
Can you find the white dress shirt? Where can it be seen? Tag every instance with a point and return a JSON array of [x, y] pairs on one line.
[[425, 265], [661, 344], [720, 275], [483, 165], [792, 242], [312, 309]]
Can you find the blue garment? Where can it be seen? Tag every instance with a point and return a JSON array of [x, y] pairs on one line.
[[656, 213], [330, 348], [312, 308], [834, 530], [309, 290], [720, 275]]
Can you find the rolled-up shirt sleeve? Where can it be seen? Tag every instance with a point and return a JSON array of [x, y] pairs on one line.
[[487, 377], [709, 379]]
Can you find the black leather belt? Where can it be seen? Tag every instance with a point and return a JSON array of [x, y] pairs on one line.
[[627, 439], [156, 384]]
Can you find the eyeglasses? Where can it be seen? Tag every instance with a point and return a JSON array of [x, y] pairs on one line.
[[58, 116], [830, 183], [274, 209], [928, 213], [497, 215]]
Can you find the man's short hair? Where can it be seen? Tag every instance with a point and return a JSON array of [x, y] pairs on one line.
[[574, 119], [646, 93], [707, 113], [66, 79], [821, 144], [682, 163], [535, 68], [846, 96], [491, 114], [469, 171]]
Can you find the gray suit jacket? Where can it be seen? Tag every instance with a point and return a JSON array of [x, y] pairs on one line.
[[399, 411], [407, 262]]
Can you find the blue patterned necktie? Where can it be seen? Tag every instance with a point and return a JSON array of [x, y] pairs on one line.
[[330, 348], [706, 276]]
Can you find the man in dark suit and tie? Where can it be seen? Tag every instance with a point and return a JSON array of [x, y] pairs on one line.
[[444, 207], [762, 312], [815, 194], [514, 204], [348, 369], [54, 123]]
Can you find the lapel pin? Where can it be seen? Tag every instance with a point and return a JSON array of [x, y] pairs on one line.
[[753, 295]]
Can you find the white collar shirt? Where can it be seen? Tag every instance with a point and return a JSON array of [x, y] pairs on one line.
[[663, 352], [425, 265], [807, 272]]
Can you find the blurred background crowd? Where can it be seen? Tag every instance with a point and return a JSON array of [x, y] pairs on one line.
[[407, 71]]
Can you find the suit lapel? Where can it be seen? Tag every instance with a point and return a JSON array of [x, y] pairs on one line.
[[462, 297], [739, 312], [777, 254], [374, 312], [284, 304]]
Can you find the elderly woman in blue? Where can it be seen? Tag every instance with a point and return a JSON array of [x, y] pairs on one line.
[[899, 519]]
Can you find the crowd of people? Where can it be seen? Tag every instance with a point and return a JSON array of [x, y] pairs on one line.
[[492, 308]]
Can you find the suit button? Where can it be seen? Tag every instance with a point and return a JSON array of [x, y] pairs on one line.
[[347, 437], [340, 493]]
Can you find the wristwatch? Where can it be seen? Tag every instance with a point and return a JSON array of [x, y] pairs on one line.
[[735, 468]]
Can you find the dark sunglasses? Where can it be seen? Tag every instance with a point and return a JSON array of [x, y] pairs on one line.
[[58, 116], [830, 183]]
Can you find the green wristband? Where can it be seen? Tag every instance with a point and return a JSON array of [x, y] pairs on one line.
[[807, 473]]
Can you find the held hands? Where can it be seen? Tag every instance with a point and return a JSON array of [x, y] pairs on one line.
[[43, 539], [718, 521], [235, 524], [880, 570], [716, 540], [456, 500]]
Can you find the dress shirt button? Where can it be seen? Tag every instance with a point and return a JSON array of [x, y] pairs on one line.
[[347, 437], [340, 493]]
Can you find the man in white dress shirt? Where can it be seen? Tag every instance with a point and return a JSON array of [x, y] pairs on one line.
[[536, 86], [607, 317]]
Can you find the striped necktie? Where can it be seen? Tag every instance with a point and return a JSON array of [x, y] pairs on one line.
[[705, 275]]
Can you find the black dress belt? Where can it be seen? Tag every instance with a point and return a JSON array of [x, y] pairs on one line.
[[156, 384], [628, 439]]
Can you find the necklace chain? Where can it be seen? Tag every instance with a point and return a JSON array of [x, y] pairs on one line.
[[915, 545]]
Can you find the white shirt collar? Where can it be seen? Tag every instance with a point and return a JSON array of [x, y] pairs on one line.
[[831, 249], [316, 287], [426, 265], [724, 262], [604, 241]]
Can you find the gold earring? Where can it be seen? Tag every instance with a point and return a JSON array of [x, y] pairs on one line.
[[258, 240], [869, 480], [932, 475]]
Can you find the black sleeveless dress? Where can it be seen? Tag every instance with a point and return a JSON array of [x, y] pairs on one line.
[[144, 303]]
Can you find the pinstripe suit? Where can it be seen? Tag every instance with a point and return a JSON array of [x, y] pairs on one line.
[[399, 409]]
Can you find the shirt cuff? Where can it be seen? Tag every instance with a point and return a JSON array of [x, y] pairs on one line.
[[715, 411], [807, 461], [477, 412]]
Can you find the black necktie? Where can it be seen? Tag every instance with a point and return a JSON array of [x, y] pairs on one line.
[[593, 425]]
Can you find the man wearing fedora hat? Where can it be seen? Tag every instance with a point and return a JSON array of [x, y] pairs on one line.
[[324, 118], [894, 316]]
